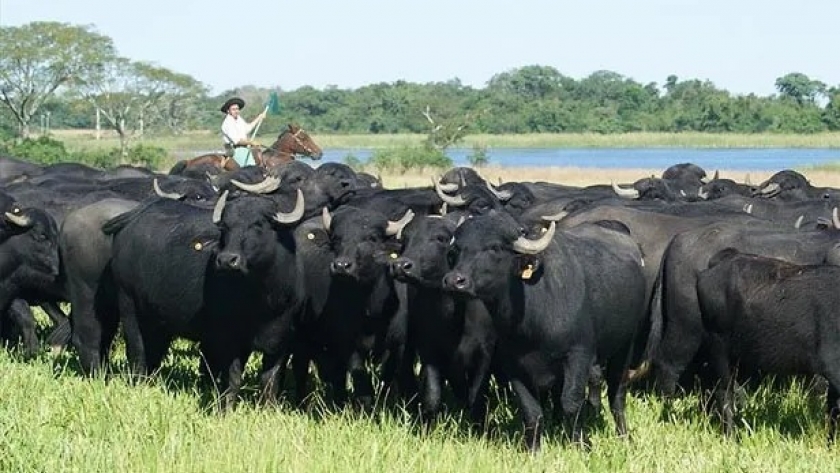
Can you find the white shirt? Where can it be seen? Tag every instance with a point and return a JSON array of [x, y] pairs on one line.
[[235, 129]]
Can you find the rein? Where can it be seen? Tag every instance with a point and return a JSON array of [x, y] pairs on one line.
[[300, 143]]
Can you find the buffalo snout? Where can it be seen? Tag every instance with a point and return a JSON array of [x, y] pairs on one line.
[[343, 266], [230, 260], [457, 281], [402, 268]]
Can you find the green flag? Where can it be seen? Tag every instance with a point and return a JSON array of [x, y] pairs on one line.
[[273, 104]]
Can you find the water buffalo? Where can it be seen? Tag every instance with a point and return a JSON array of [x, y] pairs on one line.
[[560, 304]]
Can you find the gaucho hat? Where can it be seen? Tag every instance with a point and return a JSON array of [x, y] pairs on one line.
[[231, 101]]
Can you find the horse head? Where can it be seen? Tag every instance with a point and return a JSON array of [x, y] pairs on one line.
[[293, 141]]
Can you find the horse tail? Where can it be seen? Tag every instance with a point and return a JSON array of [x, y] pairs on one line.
[[179, 167]]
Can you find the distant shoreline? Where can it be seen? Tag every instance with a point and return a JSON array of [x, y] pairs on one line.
[[84, 140]]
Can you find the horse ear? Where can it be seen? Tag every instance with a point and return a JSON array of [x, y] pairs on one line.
[[291, 127]]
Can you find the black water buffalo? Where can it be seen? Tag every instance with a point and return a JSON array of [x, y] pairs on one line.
[[770, 316], [791, 185], [85, 252], [690, 252], [718, 188], [560, 304], [453, 336], [29, 261], [217, 276], [352, 299], [17, 169]]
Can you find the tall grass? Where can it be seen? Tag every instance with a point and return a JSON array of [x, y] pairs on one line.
[[209, 140], [51, 419]]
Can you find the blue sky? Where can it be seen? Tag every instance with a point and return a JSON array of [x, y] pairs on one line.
[[740, 45]]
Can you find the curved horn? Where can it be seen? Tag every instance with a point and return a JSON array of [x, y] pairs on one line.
[[220, 207], [748, 208], [702, 193], [769, 189], [504, 196], [296, 214], [266, 186], [19, 220], [443, 209], [747, 180], [326, 218], [717, 175], [555, 217], [463, 180], [532, 247], [395, 227], [835, 219], [626, 193], [798, 222], [444, 187], [165, 195], [455, 201], [461, 220]]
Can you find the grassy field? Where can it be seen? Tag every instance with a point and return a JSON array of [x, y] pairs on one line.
[[209, 140], [53, 420]]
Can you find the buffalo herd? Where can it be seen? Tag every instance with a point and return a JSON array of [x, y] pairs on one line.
[[548, 290]]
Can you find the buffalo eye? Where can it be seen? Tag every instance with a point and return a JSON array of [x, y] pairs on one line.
[[443, 239]]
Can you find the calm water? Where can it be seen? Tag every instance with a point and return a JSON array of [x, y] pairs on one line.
[[658, 158]]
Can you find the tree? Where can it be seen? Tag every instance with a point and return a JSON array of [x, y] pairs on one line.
[[800, 87], [130, 96], [38, 58]]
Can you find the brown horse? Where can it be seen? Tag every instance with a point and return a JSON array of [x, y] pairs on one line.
[[292, 141]]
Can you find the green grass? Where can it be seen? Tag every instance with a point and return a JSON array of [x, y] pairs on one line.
[[51, 419], [207, 140]]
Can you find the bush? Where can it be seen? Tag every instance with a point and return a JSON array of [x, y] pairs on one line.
[[479, 156], [354, 162], [42, 150], [406, 158], [150, 156]]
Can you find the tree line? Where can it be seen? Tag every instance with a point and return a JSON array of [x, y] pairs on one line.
[[74, 76]]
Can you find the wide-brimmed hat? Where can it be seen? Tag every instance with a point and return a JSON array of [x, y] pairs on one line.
[[231, 101]]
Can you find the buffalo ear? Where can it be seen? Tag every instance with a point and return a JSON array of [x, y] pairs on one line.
[[529, 267]]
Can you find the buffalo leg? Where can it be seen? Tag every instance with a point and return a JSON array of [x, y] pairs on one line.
[[616, 393], [61, 332], [575, 379], [88, 333], [431, 393], [231, 383], [135, 350], [21, 325], [362, 385], [271, 377], [724, 389], [300, 370], [531, 412]]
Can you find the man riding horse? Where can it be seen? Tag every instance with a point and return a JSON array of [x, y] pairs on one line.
[[235, 131]]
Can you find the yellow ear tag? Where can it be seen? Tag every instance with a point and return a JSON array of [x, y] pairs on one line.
[[394, 256], [528, 272], [310, 236], [198, 246]]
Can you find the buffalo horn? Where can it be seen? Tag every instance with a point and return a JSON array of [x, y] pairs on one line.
[[532, 247], [769, 189], [798, 222], [835, 219], [165, 195], [455, 201], [266, 186], [444, 187], [717, 175], [220, 207], [395, 227], [504, 196], [326, 218], [19, 220], [555, 217], [296, 214], [702, 193], [626, 193]]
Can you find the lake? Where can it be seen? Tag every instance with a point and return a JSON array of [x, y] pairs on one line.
[[658, 158]]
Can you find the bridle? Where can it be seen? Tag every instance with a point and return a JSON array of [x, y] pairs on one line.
[[307, 150]]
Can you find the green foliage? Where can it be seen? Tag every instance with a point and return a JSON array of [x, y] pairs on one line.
[[43, 150], [405, 158], [478, 157], [353, 161]]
